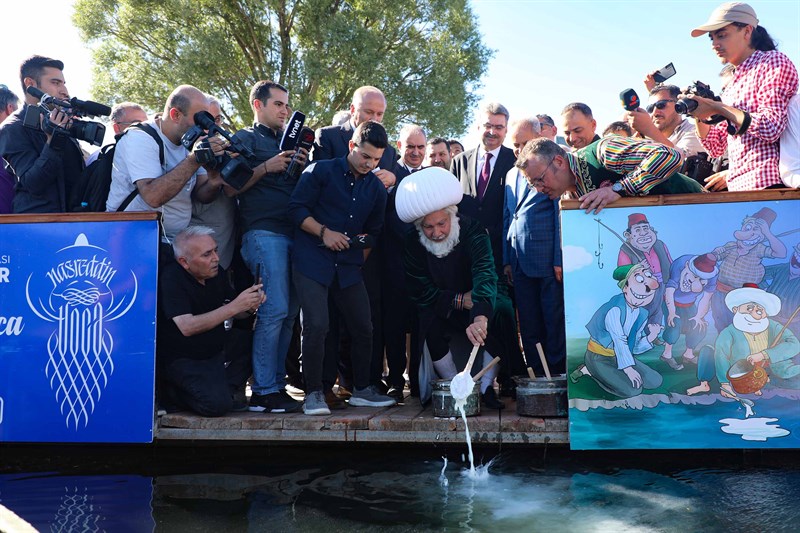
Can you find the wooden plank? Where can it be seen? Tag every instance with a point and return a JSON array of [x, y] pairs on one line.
[[405, 437], [696, 198], [79, 217]]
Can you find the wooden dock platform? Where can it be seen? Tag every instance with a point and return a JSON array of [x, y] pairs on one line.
[[407, 424]]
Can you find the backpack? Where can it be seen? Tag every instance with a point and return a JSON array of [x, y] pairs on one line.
[[90, 192]]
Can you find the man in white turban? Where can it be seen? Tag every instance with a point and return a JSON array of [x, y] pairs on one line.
[[450, 276]]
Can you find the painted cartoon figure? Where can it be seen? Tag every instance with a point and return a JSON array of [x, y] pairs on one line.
[[642, 244], [783, 281], [619, 331], [692, 281], [752, 336], [740, 260]]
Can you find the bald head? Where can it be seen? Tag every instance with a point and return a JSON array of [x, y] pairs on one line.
[[179, 111], [523, 130], [368, 104]]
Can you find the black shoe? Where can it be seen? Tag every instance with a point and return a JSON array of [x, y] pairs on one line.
[[239, 401], [382, 387], [490, 400], [274, 402], [397, 394], [333, 401]]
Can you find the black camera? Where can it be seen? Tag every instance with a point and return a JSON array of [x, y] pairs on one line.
[[698, 88], [698, 167], [233, 170], [91, 132]]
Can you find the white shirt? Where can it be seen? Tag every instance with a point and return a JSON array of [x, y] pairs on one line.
[[789, 165], [685, 139], [482, 161], [136, 158]]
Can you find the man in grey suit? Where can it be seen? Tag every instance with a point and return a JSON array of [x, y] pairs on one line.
[[532, 260], [482, 173]]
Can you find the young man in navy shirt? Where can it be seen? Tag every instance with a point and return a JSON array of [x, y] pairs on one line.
[[339, 206]]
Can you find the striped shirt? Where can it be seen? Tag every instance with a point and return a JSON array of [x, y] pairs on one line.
[[762, 85], [642, 164]]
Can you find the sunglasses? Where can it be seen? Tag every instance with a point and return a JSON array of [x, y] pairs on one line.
[[661, 104]]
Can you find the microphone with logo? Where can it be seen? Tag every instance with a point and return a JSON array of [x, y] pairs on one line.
[[295, 137], [629, 99]]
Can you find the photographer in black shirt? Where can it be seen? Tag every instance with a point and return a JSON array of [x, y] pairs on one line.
[[45, 170]]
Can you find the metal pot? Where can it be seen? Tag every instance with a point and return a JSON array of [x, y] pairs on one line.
[[541, 396], [445, 406]]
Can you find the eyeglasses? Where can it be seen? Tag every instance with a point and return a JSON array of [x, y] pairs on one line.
[[661, 104], [537, 181]]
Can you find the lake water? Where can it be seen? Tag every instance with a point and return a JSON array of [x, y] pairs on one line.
[[316, 488]]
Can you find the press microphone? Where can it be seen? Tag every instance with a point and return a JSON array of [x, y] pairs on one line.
[[630, 100], [88, 107], [83, 107], [46, 98], [292, 132]]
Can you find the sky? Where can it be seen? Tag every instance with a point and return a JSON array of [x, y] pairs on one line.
[[547, 53]]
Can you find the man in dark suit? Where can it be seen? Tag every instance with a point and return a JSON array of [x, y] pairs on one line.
[[331, 142], [482, 173], [532, 260]]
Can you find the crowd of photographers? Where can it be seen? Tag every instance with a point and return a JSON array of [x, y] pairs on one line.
[[303, 220]]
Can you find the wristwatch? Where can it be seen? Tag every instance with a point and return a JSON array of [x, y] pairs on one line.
[[618, 188]]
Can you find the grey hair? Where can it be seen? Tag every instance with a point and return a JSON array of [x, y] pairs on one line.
[[452, 209], [408, 130], [119, 110], [541, 148], [186, 234], [494, 108], [531, 123]]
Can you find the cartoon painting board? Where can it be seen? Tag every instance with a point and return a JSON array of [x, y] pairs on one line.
[[77, 327], [682, 322]]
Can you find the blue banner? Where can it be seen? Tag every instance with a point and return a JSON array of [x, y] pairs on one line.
[[77, 331]]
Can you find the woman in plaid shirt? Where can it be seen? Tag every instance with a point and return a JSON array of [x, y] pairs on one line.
[[754, 102]]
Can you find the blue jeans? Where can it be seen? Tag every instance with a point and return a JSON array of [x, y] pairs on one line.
[[276, 316]]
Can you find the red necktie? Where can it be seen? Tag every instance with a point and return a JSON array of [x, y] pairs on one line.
[[483, 179]]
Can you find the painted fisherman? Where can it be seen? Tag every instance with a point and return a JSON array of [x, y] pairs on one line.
[[619, 332], [752, 335]]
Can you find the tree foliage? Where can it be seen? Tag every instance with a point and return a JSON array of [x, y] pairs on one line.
[[427, 56]]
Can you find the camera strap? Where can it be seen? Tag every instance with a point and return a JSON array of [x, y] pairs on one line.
[[157, 138]]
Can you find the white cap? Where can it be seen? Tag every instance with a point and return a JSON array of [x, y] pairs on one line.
[[727, 13]]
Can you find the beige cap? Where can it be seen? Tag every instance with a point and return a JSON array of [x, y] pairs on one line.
[[727, 13]]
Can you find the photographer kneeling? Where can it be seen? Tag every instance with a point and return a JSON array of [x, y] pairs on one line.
[[754, 103], [46, 161]]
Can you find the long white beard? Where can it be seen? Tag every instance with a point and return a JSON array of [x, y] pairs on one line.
[[747, 324], [442, 248]]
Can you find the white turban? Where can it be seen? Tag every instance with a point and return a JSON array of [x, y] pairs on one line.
[[425, 192], [770, 302]]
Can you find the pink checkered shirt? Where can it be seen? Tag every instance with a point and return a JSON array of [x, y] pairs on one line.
[[762, 86]]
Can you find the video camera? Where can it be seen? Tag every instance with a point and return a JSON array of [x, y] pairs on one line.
[[698, 88], [38, 116], [233, 170]]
